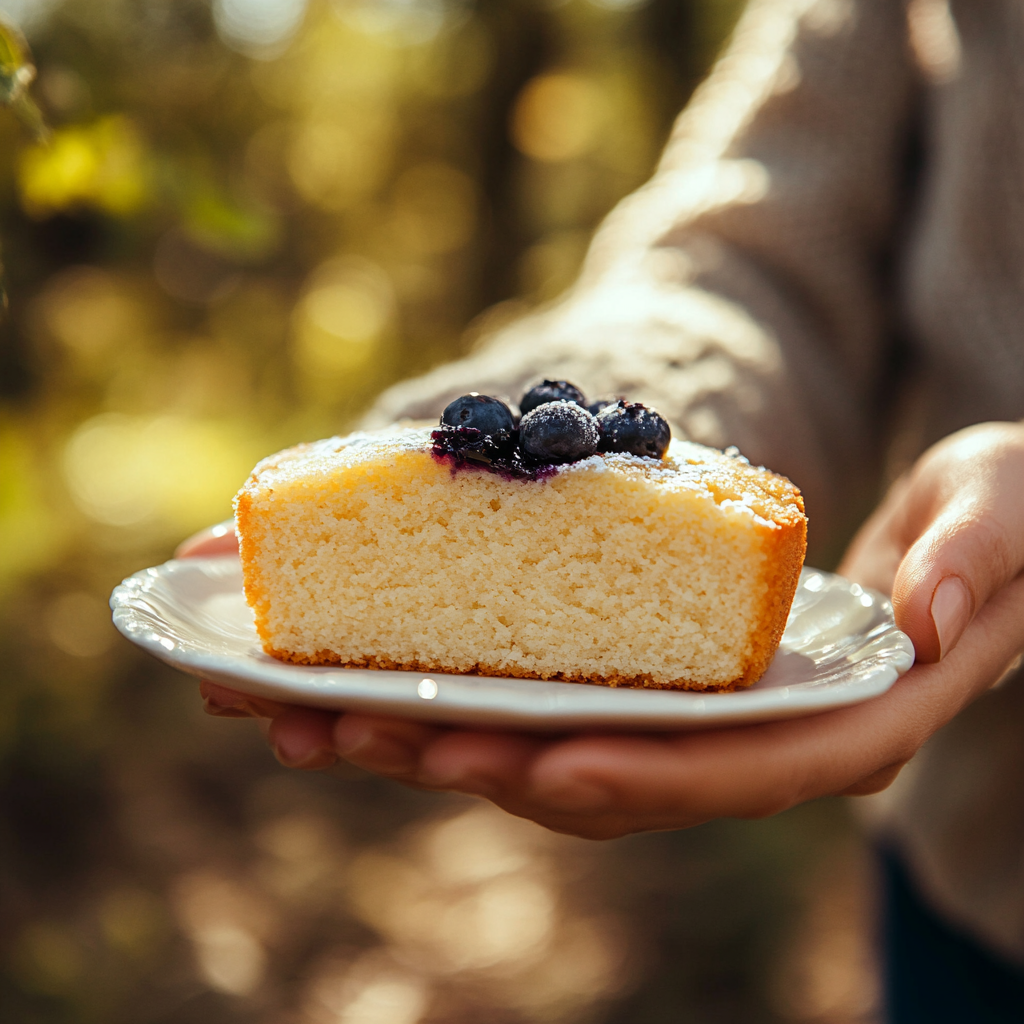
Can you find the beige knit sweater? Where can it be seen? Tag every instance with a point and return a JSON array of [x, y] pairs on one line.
[[827, 270]]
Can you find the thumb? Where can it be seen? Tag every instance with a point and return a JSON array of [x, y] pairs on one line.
[[215, 540], [966, 555], [964, 514]]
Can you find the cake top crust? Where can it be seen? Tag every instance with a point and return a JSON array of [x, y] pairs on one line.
[[725, 477]]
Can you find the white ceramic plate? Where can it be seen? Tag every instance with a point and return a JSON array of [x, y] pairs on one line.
[[840, 647]]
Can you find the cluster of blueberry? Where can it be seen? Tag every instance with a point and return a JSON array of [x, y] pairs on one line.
[[557, 426]]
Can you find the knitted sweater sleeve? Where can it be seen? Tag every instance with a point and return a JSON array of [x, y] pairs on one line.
[[744, 291]]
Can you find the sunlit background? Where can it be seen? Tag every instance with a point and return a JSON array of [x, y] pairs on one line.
[[252, 215]]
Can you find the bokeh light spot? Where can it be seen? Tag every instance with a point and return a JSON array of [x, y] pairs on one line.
[[126, 470], [87, 311], [506, 919], [332, 165], [472, 848], [26, 14], [230, 958], [477, 896], [405, 21], [101, 165], [387, 1000], [343, 315], [224, 921], [557, 117], [347, 312], [258, 28]]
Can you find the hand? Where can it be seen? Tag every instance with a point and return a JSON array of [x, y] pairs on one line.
[[948, 542], [949, 536], [208, 543]]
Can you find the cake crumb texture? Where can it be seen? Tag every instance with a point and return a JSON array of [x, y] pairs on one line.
[[673, 573]]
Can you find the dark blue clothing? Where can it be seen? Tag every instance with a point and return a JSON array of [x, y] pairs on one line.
[[934, 974]]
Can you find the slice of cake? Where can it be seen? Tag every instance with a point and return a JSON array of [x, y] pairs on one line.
[[481, 550]]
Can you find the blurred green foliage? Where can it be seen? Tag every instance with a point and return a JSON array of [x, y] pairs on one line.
[[251, 216], [16, 74]]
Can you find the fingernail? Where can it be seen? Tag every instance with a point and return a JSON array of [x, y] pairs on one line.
[[223, 703], [303, 757], [240, 709], [366, 749], [951, 612], [314, 760], [575, 796]]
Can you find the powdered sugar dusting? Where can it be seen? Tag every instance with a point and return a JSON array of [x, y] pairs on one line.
[[725, 478]]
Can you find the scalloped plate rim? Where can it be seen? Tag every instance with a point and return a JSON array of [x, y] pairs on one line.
[[498, 702]]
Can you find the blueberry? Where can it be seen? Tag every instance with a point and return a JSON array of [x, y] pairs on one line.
[[550, 391], [486, 414], [558, 432], [602, 403], [633, 428]]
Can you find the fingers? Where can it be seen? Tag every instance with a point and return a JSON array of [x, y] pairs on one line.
[[215, 540], [386, 746], [303, 738], [299, 737], [491, 764], [604, 786], [875, 782], [222, 702], [688, 779], [973, 544]]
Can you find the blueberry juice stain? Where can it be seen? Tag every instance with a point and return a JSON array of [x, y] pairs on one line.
[[467, 448]]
